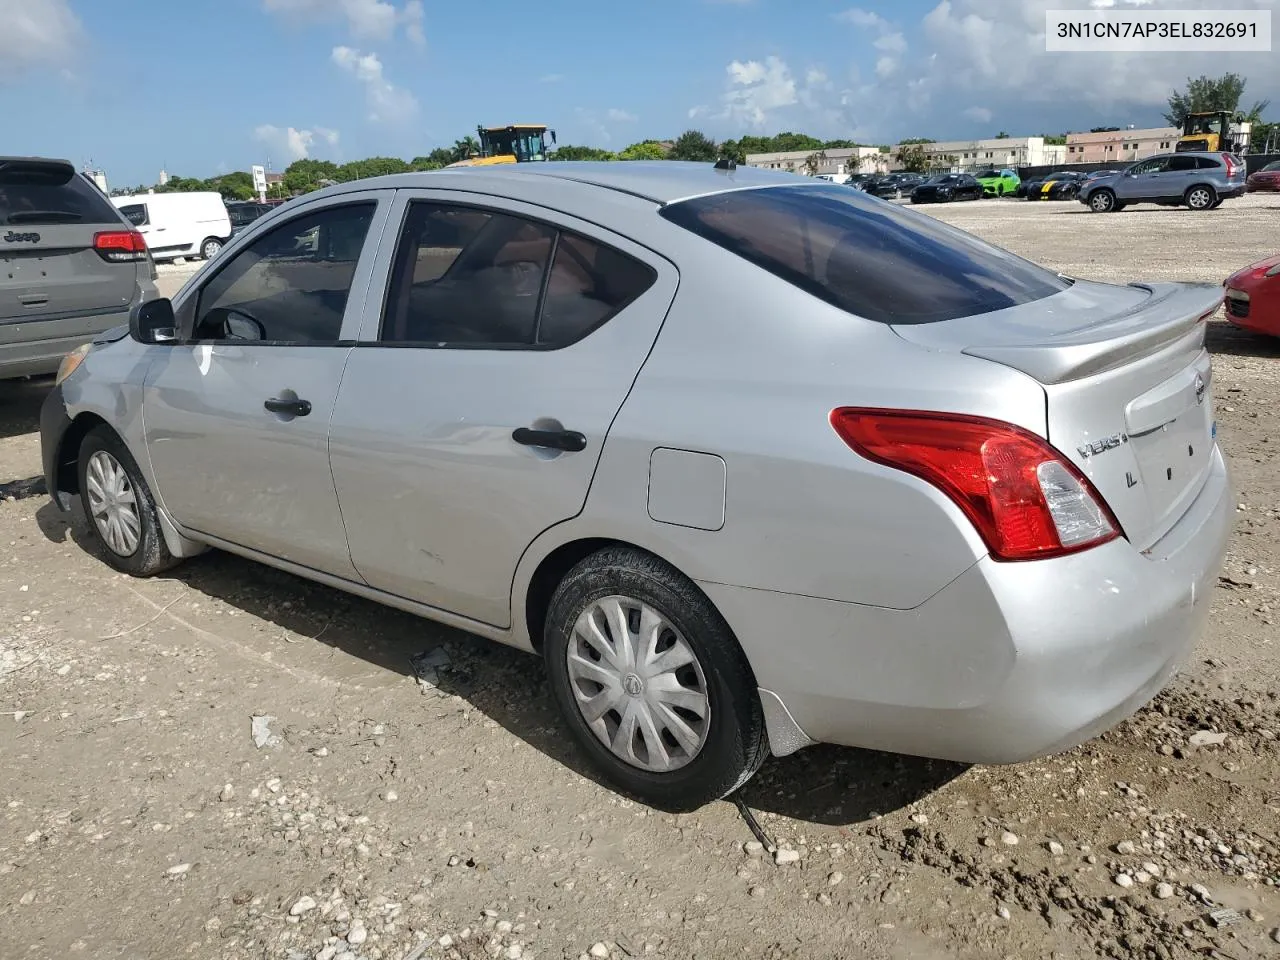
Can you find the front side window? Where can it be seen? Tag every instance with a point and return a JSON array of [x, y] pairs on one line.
[[291, 284], [875, 260], [466, 277]]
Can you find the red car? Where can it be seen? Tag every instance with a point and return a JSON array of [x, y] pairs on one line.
[[1253, 297], [1266, 179]]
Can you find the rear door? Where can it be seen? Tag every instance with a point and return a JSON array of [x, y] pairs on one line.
[[474, 410], [49, 269]]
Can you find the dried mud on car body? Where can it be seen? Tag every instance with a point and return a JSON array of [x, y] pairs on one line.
[[137, 818]]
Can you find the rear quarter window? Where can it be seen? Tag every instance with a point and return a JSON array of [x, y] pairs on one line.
[[76, 201], [875, 260], [136, 214]]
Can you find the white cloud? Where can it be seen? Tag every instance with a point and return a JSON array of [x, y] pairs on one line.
[[862, 18], [620, 116], [758, 89], [387, 102], [886, 67], [979, 114], [37, 33], [294, 143], [892, 43], [371, 20]]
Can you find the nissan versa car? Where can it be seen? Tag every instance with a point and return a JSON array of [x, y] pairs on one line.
[[70, 265], [1201, 181], [751, 461]]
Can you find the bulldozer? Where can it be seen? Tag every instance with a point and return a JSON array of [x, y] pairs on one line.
[[514, 143], [1213, 131]]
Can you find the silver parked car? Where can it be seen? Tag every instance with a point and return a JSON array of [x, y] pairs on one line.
[[751, 461], [70, 265], [1200, 181]]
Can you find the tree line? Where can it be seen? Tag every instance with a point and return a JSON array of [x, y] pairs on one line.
[[1202, 94]]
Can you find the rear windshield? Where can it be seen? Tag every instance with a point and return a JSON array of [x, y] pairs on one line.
[[76, 201], [876, 260]]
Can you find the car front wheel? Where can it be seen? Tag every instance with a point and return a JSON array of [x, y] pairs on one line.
[[1102, 201], [652, 682], [119, 506]]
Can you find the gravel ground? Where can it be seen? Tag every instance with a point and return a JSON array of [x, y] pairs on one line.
[[384, 817]]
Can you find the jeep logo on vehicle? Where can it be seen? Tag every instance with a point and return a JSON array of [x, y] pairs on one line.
[[12, 237]]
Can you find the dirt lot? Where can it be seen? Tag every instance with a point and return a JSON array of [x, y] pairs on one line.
[[386, 819]]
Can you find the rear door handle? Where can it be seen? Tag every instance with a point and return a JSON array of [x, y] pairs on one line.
[[296, 408], [571, 441]]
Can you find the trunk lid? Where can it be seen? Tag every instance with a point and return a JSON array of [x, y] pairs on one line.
[[49, 268], [1127, 381]]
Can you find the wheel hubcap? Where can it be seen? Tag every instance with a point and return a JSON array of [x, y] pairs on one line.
[[211, 249], [1200, 198], [113, 505], [638, 684]]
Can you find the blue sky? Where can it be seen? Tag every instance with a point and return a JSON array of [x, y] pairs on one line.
[[206, 86]]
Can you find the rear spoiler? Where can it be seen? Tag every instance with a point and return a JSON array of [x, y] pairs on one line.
[[1171, 312], [32, 171]]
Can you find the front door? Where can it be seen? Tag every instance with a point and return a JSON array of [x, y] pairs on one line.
[[473, 413], [237, 414]]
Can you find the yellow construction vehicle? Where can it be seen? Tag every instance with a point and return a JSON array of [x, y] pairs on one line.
[[1214, 131], [515, 143]]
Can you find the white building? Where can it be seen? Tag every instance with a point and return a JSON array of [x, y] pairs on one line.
[[840, 161], [969, 155]]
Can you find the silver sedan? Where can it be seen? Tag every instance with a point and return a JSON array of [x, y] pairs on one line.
[[751, 461]]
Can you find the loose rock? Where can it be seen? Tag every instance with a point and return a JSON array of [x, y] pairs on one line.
[[302, 905], [599, 950], [1164, 891], [786, 856], [1123, 880], [1009, 839]]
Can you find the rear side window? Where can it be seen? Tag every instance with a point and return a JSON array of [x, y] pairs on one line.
[[875, 260], [467, 277], [136, 214], [25, 200], [1208, 163]]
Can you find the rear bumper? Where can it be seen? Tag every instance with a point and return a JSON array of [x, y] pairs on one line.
[[1008, 662], [38, 346]]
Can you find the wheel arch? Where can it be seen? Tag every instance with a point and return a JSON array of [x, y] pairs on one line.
[[66, 461]]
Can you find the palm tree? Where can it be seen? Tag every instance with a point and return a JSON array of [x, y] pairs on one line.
[[465, 148], [814, 162]]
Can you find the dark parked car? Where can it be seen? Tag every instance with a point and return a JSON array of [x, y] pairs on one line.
[[1057, 185], [894, 186], [244, 213], [946, 187]]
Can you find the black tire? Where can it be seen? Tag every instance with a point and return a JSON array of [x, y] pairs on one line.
[[1200, 197], [735, 744], [210, 247], [1103, 201], [1216, 204], [151, 555]]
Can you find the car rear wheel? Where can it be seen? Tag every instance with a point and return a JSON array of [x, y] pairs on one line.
[[210, 247], [1216, 204], [1102, 201], [652, 682], [119, 506], [1201, 198]]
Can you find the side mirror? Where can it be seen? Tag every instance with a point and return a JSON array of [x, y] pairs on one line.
[[241, 326], [153, 322]]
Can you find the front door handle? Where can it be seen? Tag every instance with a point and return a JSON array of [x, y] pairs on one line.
[[294, 408], [571, 441]]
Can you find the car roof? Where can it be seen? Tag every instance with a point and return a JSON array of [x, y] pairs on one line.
[[662, 181]]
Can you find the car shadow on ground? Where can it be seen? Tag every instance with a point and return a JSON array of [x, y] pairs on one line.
[[1225, 338], [835, 786], [20, 402]]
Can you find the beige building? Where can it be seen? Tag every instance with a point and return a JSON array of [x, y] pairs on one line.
[[963, 156], [1120, 146], [839, 161]]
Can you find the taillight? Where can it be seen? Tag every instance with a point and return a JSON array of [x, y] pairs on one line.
[[1231, 165], [119, 246], [1026, 500]]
